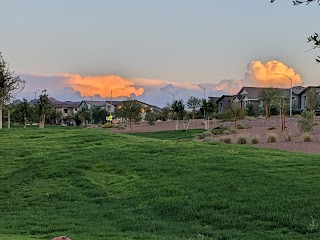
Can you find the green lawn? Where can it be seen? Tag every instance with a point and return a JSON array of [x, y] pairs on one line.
[[90, 184]]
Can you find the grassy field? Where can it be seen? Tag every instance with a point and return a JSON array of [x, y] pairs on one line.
[[90, 184]]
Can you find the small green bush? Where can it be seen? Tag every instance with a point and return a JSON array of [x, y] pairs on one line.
[[239, 126], [107, 125], [306, 122], [306, 137], [226, 140], [255, 140], [204, 135], [288, 138], [242, 140], [272, 138]]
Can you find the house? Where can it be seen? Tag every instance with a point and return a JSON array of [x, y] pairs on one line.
[[304, 96], [223, 103], [92, 104], [68, 110]]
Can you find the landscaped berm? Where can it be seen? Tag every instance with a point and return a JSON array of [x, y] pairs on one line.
[[91, 184]]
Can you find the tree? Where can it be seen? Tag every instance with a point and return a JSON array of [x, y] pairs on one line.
[[209, 107], [166, 111], [23, 113], [99, 115], [193, 103], [177, 107], [150, 116], [314, 39], [269, 96], [10, 85], [43, 107], [312, 97], [83, 115], [131, 110], [236, 110]]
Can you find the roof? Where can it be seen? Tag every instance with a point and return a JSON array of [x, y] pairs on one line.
[[95, 103], [254, 92], [307, 88], [66, 104], [214, 98], [225, 96]]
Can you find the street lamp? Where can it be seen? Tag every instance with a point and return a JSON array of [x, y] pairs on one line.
[[204, 97], [172, 95], [112, 92], [290, 101], [35, 94]]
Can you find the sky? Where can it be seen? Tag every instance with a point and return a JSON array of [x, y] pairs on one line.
[[157, 51]]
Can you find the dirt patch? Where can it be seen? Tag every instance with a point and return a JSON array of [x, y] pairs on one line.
[[254, 127]]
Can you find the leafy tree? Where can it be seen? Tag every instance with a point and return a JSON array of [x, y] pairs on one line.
[[53, 115], [99, 115], [193, 103], [269, 96], [314, 39], [10, 85], [23, 113], [83, 116], [43, 107], [250, 110], [177, 107], [150, 116], [166, 111], [312, 98], [209, 107], [131, 111], [236, 110]]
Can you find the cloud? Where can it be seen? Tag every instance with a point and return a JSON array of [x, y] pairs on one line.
[[103, 86], [266, 74], [75, 87]]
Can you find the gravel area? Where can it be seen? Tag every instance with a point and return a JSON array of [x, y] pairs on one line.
[[254, 127]]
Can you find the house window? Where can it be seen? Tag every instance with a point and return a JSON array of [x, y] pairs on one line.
[[65, 110], [76, 109], [220, 106]]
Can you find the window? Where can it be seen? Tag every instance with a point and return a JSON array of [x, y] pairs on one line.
[[65, 110]]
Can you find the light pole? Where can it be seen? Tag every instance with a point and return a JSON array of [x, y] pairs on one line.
[[290, 100], [172, 95], [204, 97], [111, 95], [35, 94]]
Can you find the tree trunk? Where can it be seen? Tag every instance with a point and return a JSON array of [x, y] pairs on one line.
[[0, 116], [193, 110], [42, 121], [9, 119], [267, 111], [177, 124], [235, 122], [130, 124], [25, 121], [281, 121]]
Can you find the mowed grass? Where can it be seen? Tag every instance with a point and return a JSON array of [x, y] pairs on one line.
[[90, 184]]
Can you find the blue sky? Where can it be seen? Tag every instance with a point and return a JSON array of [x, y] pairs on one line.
[[165, 44]]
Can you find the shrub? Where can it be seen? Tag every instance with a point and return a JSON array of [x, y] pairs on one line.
[[204, 135], [226, 140], [306, 137], [242, 140], [255, 140], [307, 121], [150, 117], [222, 130], [250, 110], [288, 138], [272, 138], [239, 126], [107, 125], [272, 128]]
